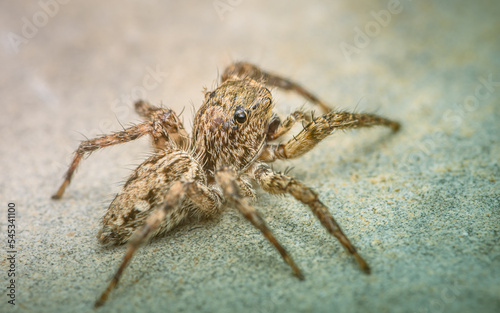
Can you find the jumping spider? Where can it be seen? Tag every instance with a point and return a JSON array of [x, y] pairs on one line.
[[230, 147]]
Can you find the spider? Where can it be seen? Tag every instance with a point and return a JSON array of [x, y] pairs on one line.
[[231, 145]]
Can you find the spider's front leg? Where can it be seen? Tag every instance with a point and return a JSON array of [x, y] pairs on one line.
[[318, 129], [277, 128], [277, 183], [227, 178], [242, 70], [175, 131], [162, 122]]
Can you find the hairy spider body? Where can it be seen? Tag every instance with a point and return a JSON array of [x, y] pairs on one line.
[[146, 190], [200, 175]]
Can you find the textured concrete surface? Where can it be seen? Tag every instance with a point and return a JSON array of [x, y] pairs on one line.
[[422, 206]]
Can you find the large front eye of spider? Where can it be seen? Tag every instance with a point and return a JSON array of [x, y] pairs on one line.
[[240, 116]]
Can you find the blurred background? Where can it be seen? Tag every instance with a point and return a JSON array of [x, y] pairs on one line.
[[422, 205]]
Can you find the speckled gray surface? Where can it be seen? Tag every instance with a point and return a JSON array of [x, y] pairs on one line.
[[422, 205]]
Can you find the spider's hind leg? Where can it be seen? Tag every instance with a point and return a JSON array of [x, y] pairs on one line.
[[243, 69]]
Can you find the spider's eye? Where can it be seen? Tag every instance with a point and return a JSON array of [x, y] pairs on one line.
[[240, 116]]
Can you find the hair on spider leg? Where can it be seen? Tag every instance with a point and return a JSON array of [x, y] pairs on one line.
[[118, 120], [82, 134], [288, 170], [355, 110], [193, 108], [312, 116], [182, 111]]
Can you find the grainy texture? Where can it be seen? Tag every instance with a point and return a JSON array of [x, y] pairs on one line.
[[422, 206]]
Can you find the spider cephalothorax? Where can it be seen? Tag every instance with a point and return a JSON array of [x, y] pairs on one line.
[[231, 126], [234, 137]]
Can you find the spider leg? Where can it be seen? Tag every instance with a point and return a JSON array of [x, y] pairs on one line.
[[278, 128], [163, 126], [278, 183], [168, 120], [145, 109], [173, 200], [227, 179], [89, 146], [243, 69], [206, 200], [319, 129]]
